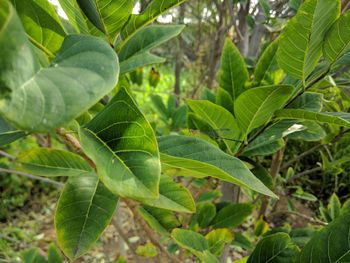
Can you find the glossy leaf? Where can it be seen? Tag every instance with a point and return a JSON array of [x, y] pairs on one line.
[[301, 42], [172, 196], [266, 65], [220, 120], [232, 215], [198, 158], [337, 41], [331, 244], [152, 11], [311, 132], [338, 118], [276, 248], [40, 99], [41, 23], [52, 163], [108, 16], [256, 106], [84, 210], [233, 72], [123, 146]]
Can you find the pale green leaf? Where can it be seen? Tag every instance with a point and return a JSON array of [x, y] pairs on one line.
[[84, 210], [123, 146], [300, 46], [198, 158], [53, 163], [217, 239], [41, 99], [256, 106], [41, 23]]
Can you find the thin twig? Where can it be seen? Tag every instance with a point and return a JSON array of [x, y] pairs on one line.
[[310, 219], [7, 155], [307, 172], [44, 180], [300, 156]]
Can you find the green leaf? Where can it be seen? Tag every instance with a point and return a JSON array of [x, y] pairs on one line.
[[224, 99], [123, 146], [84, 210], [198, 158], [217, 239], [232, 215], [53, 163], [152, 11], [160, 107], [75, 16], [148, 38], [334, 206], [32, 256], [172, 196], [233, 72], [108, 16], [8, 134], [301, 42], [53, 254], [311, 101], [205, 214], [337, 41], [256, 106], [140, 60], [312, 132], [338, 118], [220, 120], [277, 248], [331, 244], [161, 220], [42, 24], [266, 65], [40, 99]]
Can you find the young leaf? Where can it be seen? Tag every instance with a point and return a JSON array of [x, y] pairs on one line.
[[232, 215], [52, 163], [337, 41], [154, 9], [256, 106], [233, 72], [108, 16], [124, 148], [275, 248], [220, 120], [198, 158], [331, 244], [41, 99], [338, 118], [301, 42], [41, 23], [84, 210]]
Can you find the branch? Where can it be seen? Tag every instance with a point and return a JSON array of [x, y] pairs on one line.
[[307, 172], [310, 219]]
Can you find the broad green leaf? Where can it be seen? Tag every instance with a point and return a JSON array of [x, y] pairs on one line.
[[84, 210], [217, 239], [300, 46], [233, 72], [198, 158], [41, 23], [256, 106], [195, 243], [338, 118], [8, 134], [301, 236], [337, 41], [205, 214], [331, 244], [311, 101], [53, 254], [220, 120], [108, 16], [140, 60], [261, 173], [276, 248], [232, 215], [152, 11], [41, 99], [224, 99], [75, 16], [52, 163], [160, 220], [311, 132], [123, 146], [207, 94], [172, 196], [266, 65], [148, 38], [32, 256]]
